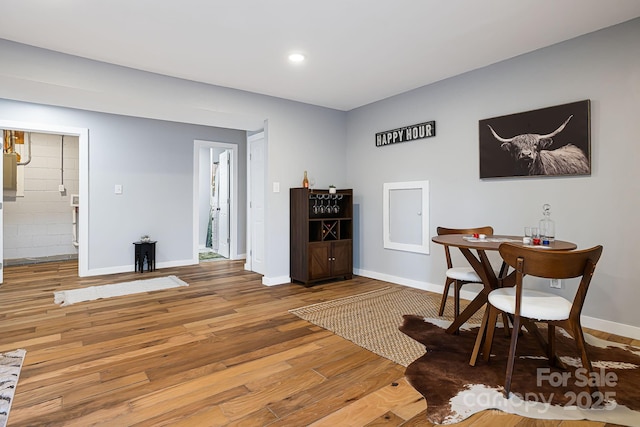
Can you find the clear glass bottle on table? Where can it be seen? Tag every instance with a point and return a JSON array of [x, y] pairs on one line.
[[547, 226]]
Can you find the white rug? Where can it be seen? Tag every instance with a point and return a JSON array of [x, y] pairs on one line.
[[73, 296], [10, 366]]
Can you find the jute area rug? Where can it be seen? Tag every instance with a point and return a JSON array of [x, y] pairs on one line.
[[73, 296], [10, 366], [371, 320]]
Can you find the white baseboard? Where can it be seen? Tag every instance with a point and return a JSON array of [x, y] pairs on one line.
[[588, 322], [109, 270], [179, 263], [131, 267], [239, 256], [273, 281], [611, 327], [425, 286]]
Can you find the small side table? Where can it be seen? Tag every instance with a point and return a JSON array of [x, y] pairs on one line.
[[145, 250]]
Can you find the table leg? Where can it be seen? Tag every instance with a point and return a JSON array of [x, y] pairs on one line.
[[153, 257], [472, 308], [138, 261], [482, 266]]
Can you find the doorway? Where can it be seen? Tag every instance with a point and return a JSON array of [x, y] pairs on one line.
[[40, 188], [81, 226], [215, 201]]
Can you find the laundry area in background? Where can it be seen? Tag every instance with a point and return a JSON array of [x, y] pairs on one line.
[[40, 197]]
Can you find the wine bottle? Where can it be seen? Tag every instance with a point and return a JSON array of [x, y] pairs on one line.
[[547, 226], [305, 180]]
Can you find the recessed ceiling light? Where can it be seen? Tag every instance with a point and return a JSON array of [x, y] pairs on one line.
[[296, 58]]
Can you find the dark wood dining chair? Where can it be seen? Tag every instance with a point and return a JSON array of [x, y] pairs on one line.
[[529, 306], [461, 275]]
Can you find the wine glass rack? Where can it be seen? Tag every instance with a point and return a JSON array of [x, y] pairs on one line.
[[321, 234]]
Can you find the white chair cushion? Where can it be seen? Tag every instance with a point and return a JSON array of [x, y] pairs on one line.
[[465, 274], [535, 304]]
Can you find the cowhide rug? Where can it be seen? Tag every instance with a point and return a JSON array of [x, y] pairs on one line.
[[454, 390]]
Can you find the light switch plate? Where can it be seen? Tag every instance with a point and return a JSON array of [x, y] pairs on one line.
[[118, 189], [276, 187]]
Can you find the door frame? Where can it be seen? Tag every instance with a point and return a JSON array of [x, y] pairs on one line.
[[233, 193], [224, 181], [83, 159], [262, 138]]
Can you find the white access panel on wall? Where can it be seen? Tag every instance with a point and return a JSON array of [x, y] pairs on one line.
[[406, 216]]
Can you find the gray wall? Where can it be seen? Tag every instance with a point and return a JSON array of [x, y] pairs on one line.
[[299, 137], [153, 161], [600, 209]]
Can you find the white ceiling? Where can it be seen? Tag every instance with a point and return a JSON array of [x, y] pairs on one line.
[[358, 51]]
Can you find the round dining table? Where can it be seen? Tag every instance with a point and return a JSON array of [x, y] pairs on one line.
[[481, 264]]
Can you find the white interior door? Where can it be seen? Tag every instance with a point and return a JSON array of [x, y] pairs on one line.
[[231, 193], [224, 203], [257, 208]]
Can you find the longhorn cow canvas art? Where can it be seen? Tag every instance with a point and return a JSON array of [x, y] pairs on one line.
[[553, 141]]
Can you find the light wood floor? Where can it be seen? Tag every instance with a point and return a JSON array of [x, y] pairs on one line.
[[223, 351]]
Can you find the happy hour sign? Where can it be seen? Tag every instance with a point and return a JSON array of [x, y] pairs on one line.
[[407, 133]]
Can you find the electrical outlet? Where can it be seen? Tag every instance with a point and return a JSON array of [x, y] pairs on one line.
[[556, 283]]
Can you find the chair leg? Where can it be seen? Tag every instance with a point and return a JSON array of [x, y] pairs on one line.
[[512, 356], [504, 269], [586, 362], [505, 322], [491, 329], [479, 338], [445, 294], [551, 344], [456, 298], [544, 343]]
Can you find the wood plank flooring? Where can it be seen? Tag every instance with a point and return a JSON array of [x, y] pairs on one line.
[[224, 351]]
